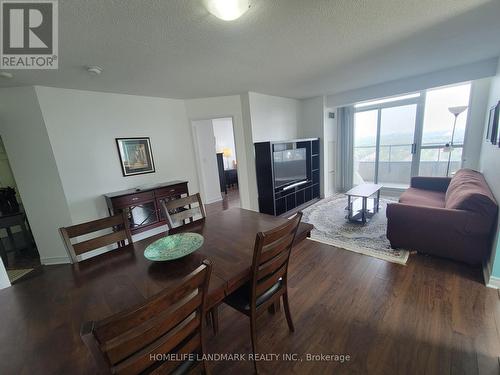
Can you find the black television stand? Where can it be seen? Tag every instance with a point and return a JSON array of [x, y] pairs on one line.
[[286, 200]]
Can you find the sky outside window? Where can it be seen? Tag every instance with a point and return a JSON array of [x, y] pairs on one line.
[[438, 121]]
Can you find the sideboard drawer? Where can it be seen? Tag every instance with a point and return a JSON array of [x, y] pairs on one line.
[[132, 199], [171, 190]]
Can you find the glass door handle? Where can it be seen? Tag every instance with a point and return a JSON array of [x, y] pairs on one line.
[[414, 148]]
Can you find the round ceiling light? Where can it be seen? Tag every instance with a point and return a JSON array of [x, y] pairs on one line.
[[227, 10]]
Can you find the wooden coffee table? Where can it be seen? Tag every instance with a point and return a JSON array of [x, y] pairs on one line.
[[359, 208]]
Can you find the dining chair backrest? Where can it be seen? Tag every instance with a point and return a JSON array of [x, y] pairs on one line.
[[177, 211], [118, 223], [153, 336], [271, 254]]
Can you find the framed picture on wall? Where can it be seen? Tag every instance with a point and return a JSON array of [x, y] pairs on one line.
[[136, 156], [491, 116], [494, 128]]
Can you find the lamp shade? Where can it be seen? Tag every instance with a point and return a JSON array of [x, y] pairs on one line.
[[227, 152], [457, 110], [227, 10]]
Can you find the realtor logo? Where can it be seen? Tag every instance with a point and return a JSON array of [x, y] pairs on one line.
[[29, 34]]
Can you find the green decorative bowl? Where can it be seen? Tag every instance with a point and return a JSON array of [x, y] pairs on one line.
[[173, 247]]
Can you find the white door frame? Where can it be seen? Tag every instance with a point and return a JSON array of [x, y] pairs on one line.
[[195, 143], [199, 166]]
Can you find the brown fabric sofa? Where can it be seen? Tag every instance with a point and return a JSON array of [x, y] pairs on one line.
[[448, 217]]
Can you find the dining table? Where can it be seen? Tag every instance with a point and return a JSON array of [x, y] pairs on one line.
[[40, 318]]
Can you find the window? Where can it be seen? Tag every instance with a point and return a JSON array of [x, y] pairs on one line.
[[399, 137]]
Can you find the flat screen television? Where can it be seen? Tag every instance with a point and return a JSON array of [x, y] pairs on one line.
[[289, 166]]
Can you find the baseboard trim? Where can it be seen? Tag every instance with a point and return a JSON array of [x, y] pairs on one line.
[[494, 282], [54, 260], [210, 201], [490, 281]]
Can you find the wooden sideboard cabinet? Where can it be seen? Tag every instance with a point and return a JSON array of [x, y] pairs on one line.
[[143, 205]]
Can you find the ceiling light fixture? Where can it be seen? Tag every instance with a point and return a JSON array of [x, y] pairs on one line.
[[94, 70], [227, 10]]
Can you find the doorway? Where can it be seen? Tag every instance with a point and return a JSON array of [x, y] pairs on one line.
[[17, 247], [415, 134], [217, 163]]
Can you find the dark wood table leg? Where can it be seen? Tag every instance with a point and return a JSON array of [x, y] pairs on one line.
[[214, 315], [363, 211], [349, 208], [274, 308], [27, 237], [378, 200], [11, 240]]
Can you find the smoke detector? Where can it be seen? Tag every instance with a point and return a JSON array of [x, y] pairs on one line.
[[94, 70], [6, 75]]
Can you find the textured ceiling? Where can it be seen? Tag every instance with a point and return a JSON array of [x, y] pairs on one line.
[[293, 48]]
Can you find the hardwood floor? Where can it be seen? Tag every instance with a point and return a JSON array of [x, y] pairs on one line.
[[432, 316], [229, 200]]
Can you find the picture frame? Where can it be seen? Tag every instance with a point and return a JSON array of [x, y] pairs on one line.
[[494, 128], [136, 156], [491, 116]]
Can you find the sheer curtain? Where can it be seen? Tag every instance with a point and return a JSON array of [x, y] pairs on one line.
[[346, 138]]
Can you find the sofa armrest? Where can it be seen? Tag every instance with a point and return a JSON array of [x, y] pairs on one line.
[[436, 220], [431, 183]]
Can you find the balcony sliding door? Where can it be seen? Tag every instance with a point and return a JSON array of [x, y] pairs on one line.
[[396, 149], [384, 144]]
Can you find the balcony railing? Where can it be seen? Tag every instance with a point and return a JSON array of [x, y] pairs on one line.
[[393, 171]]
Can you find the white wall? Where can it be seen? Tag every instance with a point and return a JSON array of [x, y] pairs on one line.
[[26, 141], [204, 139], [273, 118], [312, 125], [489, 165], [462, 73], [224, 138], [478, 104], [6, 176], [82, 127], [4, 278], [234, 106]]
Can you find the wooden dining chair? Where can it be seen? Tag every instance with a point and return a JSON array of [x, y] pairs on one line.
[[269, 276], [177, 211], [163, 335], [118, 223]]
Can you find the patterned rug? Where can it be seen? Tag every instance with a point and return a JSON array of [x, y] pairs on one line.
[[15, 275], [331, 227]]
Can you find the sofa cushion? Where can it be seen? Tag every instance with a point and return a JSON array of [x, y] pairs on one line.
[[469, 191], [421, 197]]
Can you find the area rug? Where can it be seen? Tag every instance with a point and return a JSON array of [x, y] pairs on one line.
[[15, 275], [331, 227]]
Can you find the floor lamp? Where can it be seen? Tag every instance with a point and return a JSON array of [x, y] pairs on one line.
[[455, 111]]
